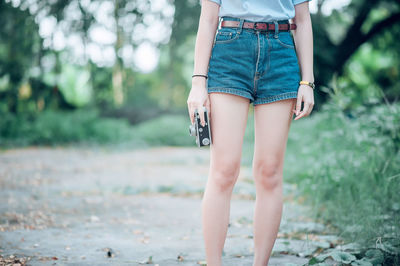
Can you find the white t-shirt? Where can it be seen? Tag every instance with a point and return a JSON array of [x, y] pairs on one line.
[[258, 10]]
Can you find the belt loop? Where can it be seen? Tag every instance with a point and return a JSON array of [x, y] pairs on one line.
[[276, 29], [240, 26]]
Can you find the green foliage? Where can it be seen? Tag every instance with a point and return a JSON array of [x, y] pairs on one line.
[[166, 130], [73, 82], [86, 126], [364, 77], [20, 43], [350, 172], [338, 256], [368, 258], [61, 127], [101, 84], [144, 90], [340, 35], [375, 256]]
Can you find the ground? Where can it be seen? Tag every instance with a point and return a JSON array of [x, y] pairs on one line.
[[96, 206]]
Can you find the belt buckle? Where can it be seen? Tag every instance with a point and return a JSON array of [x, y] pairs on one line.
[[260, 26]]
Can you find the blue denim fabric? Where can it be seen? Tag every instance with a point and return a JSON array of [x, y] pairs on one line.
[[259, 65]]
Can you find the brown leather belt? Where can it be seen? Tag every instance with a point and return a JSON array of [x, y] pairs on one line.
[[259, 25]]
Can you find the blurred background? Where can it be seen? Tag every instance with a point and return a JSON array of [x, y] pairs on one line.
[[115, 72]]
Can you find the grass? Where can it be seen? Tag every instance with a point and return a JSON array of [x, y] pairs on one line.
[[348, 167]]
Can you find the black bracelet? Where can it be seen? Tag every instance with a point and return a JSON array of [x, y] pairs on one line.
[[200, 76]]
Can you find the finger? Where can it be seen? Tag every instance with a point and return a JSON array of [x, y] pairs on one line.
[[306, 107], [298, 104], [201, 114], [299, 116], [309, 108], [304, 112], [191, 114], [208, 106]]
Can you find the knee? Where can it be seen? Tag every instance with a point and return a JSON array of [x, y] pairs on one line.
[[268, 174], [224, 174]]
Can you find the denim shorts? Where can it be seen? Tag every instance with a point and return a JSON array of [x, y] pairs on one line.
[[259, 65]]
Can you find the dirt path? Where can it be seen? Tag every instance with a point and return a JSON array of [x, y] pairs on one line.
[[86, 206]]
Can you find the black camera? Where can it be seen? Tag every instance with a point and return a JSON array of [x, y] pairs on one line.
[[202, 134]]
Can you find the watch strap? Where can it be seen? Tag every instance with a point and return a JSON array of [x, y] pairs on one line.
[[304, 82]]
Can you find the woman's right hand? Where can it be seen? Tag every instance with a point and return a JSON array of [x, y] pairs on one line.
[[198, 97]]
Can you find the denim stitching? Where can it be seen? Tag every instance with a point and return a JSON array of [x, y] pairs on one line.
[[256, 74], [228, 40], [283, 96], [224, 33], [268, 55], [284, 44], [233, 91]]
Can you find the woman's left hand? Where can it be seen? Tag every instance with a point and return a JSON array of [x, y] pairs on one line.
[[305, 94]]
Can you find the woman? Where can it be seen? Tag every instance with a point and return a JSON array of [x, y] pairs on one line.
[[269, 65]]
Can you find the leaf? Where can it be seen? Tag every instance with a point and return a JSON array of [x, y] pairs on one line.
[[341, 256], [387, 247], [312, 261], [375, 256], [362, 262], [322, 257]]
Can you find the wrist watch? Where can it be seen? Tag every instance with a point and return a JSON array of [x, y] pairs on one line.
[[311, 84]]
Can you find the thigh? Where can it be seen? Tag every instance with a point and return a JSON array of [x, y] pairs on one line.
[[272, 123], [228, 120]]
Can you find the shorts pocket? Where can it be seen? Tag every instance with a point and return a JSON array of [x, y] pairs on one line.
[[226, 35], [285, 39]]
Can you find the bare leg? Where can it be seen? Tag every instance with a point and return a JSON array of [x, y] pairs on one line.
[[228, 123], [272, 123]]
